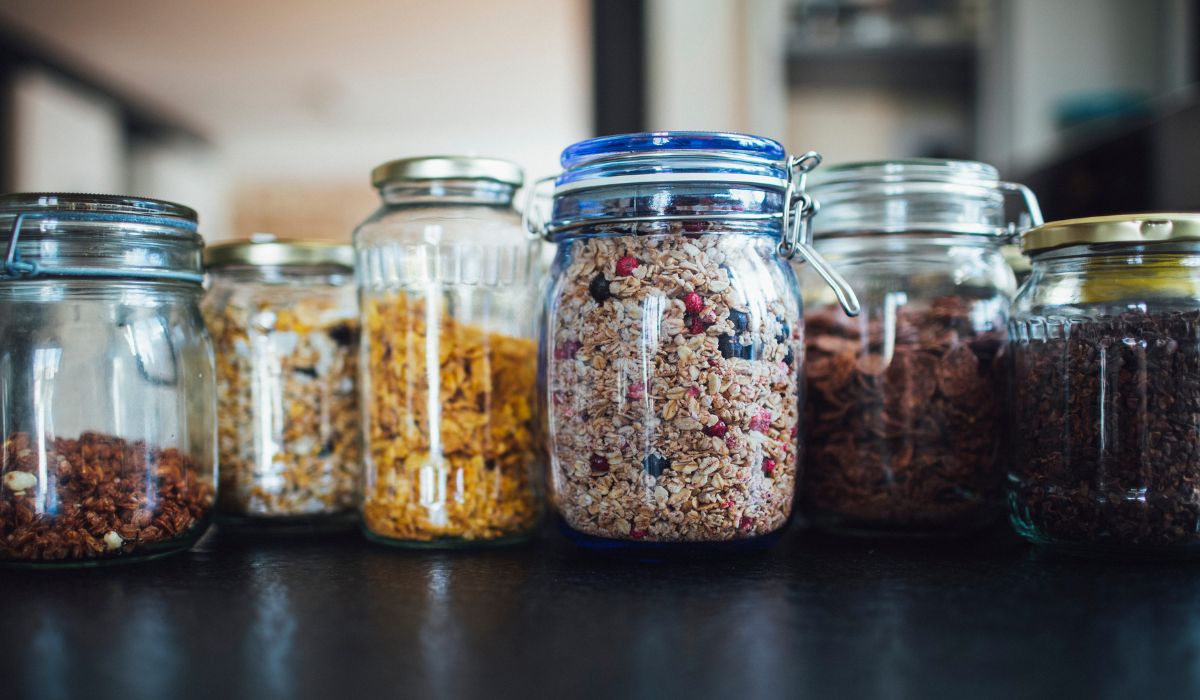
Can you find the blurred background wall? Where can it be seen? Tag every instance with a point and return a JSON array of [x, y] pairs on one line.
[[269, 115]]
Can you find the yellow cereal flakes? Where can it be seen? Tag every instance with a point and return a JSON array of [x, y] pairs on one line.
[[452, 453]]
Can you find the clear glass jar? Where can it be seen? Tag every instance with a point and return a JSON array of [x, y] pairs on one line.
[[906, 402], [284, 320], [673, 342], [1106, 372], [107, 402], [448, 292]]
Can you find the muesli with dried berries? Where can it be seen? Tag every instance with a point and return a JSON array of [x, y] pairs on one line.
[[672, 386], [903, 418], [451, 447], [96, 497], [288, 414]]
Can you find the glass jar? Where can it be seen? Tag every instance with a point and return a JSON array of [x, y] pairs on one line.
[[284, 320], [906, 401], [107, 403], [673, 343], [448, 290], [1106, 371]]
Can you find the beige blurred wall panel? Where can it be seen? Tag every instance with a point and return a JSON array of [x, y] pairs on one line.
[[307, 90], [67, 139], [321, 211]]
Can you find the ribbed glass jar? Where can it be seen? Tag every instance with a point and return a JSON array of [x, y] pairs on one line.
[[284, 321], [672, 349], [107, 401], [906, 401], [1106, 375], [448, 282]]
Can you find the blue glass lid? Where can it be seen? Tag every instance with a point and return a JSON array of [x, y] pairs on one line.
[[673, 156]]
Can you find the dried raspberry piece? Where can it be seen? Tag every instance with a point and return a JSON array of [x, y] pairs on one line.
[[696, 326], [768, 466], [693, 391], [717, 429], [599, 464], [636, 391], [638, 534], [626, 265], [693, 303], [731, 441], [746, 523], [761, 421], [567, 350]]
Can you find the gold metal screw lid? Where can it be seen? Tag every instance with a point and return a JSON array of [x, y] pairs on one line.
[[1120, 228], [448, 168], [265, 250]]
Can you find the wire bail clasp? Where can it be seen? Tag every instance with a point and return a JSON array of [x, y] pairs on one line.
[[796, 236], [14, 267], [532, 218]]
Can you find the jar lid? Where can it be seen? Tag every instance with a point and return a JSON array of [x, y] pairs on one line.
[[1119, 228], [265, 250], [53, 234], [918, 195], [448, 168]]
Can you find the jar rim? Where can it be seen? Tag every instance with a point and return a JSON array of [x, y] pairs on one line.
[[424, 168], [268, 251], [113, 204]]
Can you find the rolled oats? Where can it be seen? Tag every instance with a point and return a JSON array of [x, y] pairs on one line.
[[672, 385], [451, 447]]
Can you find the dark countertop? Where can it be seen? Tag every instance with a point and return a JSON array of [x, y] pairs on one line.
[[336, 617]]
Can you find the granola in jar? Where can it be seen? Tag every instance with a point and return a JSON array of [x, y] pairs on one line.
[[673, 345], [284, 322], [451, 457], [673, 390]]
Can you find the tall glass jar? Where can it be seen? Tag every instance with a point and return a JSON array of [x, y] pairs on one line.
[[906, 401], [284, 320], [1106, 371], [107, 403], [448, 290], [673, 348]]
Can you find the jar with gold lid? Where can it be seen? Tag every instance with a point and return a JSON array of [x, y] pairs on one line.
[[284, 321], [1106, 376]]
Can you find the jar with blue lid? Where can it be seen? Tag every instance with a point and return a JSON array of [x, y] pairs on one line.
[[672, 349], [107, 397]]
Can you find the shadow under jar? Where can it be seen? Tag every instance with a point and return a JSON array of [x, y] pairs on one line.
[[1106, 372], [448, 285], [284, 320], [673, 348], [905, 402], [107, 403]]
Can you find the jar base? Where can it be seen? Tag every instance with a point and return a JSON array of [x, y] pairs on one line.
[[445, 543], [1100, 551], [159, 551], [665, 550]]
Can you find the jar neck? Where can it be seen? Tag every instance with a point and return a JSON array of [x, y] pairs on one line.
[[332, 275], [442, 192], [1079, 259]]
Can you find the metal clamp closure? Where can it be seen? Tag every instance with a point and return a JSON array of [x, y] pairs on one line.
[[796, 236]]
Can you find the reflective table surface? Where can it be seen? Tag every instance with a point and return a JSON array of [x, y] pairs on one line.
[[336, 617]]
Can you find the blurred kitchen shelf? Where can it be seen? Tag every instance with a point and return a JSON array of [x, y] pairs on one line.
[[949, 67]]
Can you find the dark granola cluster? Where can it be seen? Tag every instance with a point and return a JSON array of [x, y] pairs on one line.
[[1107, 430], [903, 419], [103, 497]]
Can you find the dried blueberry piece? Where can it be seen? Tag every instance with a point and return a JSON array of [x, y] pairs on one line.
[[655, 465], [784, 331], [739, 319], [342, 334], [309, 372], [742, 352], [326, 449], [790, 357], [725, 345], [599, 288]]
